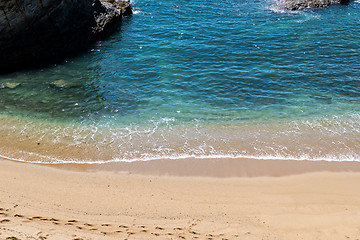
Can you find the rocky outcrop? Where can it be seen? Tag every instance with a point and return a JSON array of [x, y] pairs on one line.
[[108, 11], [296, 5], [33, 32]]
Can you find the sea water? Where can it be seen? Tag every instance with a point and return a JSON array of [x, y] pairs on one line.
[[202, 78]]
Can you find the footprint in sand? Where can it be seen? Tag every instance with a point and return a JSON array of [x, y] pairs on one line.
[[4, 221]]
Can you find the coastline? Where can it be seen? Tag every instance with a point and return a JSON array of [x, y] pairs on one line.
[[217, 167], [306, 200], [241, 80]]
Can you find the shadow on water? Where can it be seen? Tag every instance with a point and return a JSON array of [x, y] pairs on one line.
[[88, 99], [86, 95]]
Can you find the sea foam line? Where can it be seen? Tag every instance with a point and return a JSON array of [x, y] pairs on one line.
[[56, 161]]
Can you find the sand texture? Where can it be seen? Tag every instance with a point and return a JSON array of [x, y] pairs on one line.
[[38, 202]]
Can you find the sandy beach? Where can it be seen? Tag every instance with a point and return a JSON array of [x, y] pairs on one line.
[[41, 202], [207, 119]]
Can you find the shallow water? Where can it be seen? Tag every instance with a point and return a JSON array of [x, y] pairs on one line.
[[200, 78]]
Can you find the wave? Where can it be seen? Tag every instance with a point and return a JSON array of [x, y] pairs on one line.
[[334, 139], [55, 161], [136, 11], [329, 139]]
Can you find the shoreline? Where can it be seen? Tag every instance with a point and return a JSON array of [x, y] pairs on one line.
[[216, 167], [136, 201], [328, 139]]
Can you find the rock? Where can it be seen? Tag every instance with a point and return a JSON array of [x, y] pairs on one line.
[[109, 11], [35, 32], [296, 5], [10, 85], [63, 84]]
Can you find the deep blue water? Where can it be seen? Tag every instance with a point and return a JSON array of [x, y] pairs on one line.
[[201, 78]]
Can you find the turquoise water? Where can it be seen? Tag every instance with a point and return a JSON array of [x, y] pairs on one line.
[[202, 79]]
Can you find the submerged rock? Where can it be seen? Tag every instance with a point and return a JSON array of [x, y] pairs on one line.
[[10, 85], [296, 5], [35, 32], [63, 84]]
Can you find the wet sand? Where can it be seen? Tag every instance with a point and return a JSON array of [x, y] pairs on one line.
[[182, 199]]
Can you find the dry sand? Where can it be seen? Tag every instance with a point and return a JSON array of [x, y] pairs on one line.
[[141, 201]]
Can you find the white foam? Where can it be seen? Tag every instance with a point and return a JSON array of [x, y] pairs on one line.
[[136, 12], [56, 161], [325, 139]]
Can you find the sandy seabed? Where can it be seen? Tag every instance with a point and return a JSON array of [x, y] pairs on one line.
[[181, 199]]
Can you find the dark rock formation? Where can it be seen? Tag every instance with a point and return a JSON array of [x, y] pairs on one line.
[[34, 32], [344, 2], [296, 5]]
